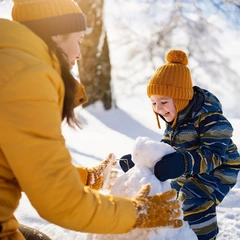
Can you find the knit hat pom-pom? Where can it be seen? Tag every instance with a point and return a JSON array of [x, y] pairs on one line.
[[177, 56]]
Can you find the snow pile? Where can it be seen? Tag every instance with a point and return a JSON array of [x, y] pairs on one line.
[[145, 154]]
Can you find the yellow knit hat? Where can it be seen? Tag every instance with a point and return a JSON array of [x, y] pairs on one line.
[[173, 80], [52, 16]]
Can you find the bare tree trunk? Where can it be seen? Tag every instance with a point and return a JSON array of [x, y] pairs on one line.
[[95, 67]]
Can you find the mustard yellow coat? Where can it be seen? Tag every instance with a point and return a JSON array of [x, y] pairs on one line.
[[33, 156]]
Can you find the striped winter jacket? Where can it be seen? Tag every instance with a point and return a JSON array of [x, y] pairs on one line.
[[204, 134]]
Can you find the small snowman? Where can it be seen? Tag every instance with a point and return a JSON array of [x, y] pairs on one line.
[[145, 154]]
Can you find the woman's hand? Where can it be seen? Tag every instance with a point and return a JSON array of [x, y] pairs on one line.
[[160, 210], [102, 173]]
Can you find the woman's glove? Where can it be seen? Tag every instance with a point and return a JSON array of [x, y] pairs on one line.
[[158, 210], [102, 174], [171, 166]]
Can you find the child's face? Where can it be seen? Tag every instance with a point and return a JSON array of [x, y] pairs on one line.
[[164, 106], [70, 45]]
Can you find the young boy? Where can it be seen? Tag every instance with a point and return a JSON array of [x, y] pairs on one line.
[[206, 163]]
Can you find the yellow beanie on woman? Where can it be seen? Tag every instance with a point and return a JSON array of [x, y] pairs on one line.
[[52, 16], [173, 80]]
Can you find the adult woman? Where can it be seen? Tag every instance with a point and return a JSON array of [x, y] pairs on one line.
[[37, 92]]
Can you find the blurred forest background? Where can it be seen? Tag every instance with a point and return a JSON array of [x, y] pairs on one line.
[[149, 28], [127, 40]]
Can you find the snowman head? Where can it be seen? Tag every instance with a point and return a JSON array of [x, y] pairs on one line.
[[147, 152]]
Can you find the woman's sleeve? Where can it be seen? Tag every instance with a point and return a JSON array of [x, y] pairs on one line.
[[83, 173]]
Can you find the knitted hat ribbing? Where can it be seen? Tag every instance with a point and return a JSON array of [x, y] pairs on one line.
[[52, 16], [173, 80]]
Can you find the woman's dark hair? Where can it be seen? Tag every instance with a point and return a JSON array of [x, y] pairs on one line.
[[68, 80], [70, 89]]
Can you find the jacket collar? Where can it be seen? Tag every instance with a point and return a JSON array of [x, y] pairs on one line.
[[202, 102]]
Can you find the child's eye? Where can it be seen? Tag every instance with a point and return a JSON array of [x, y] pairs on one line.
[[164, 103], [153, 103]]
